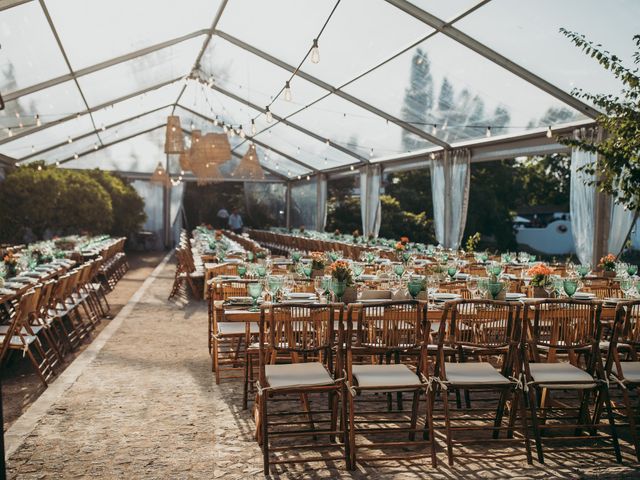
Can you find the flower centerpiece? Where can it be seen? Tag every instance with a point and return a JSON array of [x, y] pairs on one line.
[[371, 239], [608, 265], [336, 234], [218, 235], [540, 276], [356, 235], [404, 240], [342, 281], [318, 262]]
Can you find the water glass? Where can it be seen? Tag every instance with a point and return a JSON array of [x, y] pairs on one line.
[[570, 286], [472, 286], [255, 291]]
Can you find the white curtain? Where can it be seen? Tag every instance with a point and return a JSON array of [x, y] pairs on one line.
[[450, 181], [370, 209], [321, 203], [621, 221], [582, 206], [151, 193], [175, 210]]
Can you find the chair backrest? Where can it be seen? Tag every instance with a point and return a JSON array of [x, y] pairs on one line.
[[487, 326], [302, 332], [628, 331], [26, 306], [564, 325], [386, 327]]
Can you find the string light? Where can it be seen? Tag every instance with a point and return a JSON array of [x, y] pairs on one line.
[[225, 129], [95, 146], [351, 168], [287, 91], [33, 149], [328, 143], [215, 121], [371, 153], [433, 156], [69, 140], [103, 127], [308, 177], [549, 133], [10, 132], [242, 134], [488, 132], [315, 52], [75, 156], [193, 126], [57, 164], [38, 122], [253, 127], [39, 167], [269, 115], [232, 132], [21, 125], [434, 130]]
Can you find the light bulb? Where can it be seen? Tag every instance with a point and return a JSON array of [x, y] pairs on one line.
[[351, 168], [95, 146], [39, 167], [75, 156], [225, 129], [9, 132], [328, 142], [103, 127], [287, 91], [371, 153], [69, 140], [173, 129], [434, 129], [38, 122], [215, 121], [33, 149], [21, 125], [433, 156], [232, 132], [242, 134], [253, 127], [269, 115], [193, 126], [315, 52], [549, 133], [299, 177], [57, 164], [488, 132], [308, 177], [17, 114]]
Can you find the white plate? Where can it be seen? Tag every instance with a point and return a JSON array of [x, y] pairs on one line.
[[514, 296], [584, 295], [240, 300], [445, 296], [301, 295], [367, 277], [301, 300], [614, 300]]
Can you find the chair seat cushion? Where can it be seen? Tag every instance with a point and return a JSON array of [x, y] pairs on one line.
[[474, 373], [385, 377], [631, 371], [563, 375], [237, 328], [297, 375]]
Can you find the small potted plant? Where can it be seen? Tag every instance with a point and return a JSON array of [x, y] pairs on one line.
[[318, 262], [342, 281], [540, 276], [608, 265]]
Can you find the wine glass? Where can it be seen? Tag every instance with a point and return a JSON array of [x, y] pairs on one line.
[[452, 270], [626, 285], [632, 270], [414, 286], [255, 291], [358, 268], [242, 270], [338, 287], [472, 286], [399, 269], [570, 286], [320, 286], [549, 287]]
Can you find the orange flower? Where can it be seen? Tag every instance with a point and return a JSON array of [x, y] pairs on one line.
[[399, 246], [539, 270], [404, 240]]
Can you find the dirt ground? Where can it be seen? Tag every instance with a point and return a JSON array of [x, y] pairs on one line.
[[20, 384]]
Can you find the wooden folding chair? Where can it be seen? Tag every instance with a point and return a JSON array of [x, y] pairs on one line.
[[385, 351], [560, 345], [471, 333], [304, 335]]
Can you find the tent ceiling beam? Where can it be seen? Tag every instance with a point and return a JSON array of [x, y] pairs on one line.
[[481, 49], [115, 101], [277, 118], [262, 144], [205, 45], [106, 145], [102, 65], [93, 132], [144, 176], [356, 101], [66, 60]]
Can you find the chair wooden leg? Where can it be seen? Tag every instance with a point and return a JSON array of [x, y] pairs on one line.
[[614, 433], [447, 423], [352, 430], [534, 423], [519, 397], [344, 420], [631, 416], [415, 403], [499, 412], [265, 433], [429, 431]]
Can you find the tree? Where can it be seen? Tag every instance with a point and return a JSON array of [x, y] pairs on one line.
[[418, 98], [618, 166], [127, 205], [413, 190], [397, 222]]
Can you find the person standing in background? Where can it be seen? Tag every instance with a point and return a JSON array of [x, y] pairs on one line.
[[222, 217], [235, 222]]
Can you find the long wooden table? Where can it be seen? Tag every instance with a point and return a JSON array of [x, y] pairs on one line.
[[61, 269]]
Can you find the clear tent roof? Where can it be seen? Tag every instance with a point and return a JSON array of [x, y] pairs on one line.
[[88, 84]]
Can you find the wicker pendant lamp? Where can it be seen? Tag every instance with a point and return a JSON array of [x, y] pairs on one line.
[[173, 143], [185, 160], [207, 173], [249, 166], [212, 148], [160, 175]]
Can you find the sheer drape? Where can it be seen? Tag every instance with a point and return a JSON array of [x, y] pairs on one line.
[[370, 178], [621, 221], [582, 201], [151, 193], [321, 203], [175, 211], [450, 180]]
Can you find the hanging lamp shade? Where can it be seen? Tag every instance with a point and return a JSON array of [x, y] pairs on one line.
[[249, 166], [185, 160], [211, 148], [207, 173], [159, 175], [173, 143]]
